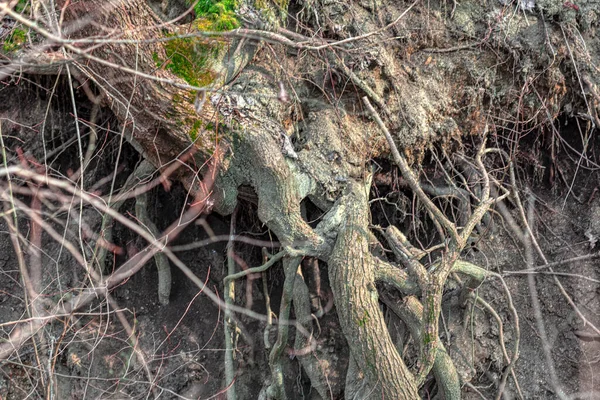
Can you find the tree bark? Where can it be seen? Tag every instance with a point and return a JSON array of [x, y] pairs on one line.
[[351, 272], [125, 43]]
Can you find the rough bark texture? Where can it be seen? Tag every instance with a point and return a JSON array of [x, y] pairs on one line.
[[351, 271], [157, 123], [161, 116]]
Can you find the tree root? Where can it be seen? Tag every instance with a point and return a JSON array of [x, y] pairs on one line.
[[310, 363], [276, 390], [432, 281], [351, 273], [228, 322], [144, 170], [141, 173], [411, 312]]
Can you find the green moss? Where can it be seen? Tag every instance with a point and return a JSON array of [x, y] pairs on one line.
[[188, 58], [427, 339], [157, 60], [364, 320], [208, 129], [21, 6], [216, 15], [195, 129], [184, 98], [15, 40]]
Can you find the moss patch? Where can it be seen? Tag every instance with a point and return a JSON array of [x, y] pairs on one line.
[[215, 15], [189, 59], [195, 130], [14, 41], [21, 6]]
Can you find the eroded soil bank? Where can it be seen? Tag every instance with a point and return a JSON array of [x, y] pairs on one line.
[[296, 135]]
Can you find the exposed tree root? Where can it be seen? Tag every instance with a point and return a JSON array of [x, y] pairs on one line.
[[162, 263], [351, 272], [411, 312], [277, 390], [313, 365], [230, 327], [141, 174]]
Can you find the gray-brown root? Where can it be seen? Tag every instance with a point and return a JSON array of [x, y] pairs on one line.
[[351, 273], [144, 171], [411, 311]]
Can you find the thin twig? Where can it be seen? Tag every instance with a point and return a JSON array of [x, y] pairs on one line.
[[229, 324]]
